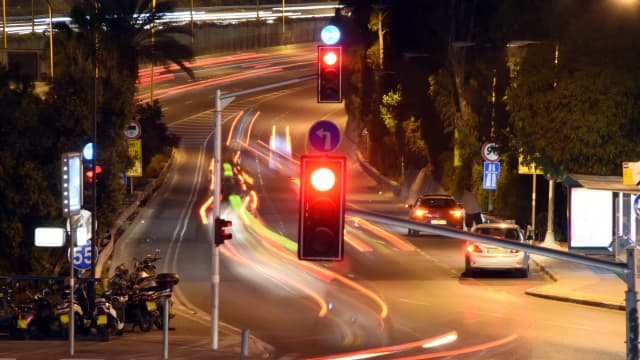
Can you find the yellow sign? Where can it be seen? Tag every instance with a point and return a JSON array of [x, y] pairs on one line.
[[530, 169], [135, 153], [627, 172]]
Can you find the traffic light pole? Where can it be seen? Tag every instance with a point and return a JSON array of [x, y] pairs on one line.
[[220, 103], [215, 253]]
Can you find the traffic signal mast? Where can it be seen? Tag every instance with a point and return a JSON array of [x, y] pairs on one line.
[[322, 195]]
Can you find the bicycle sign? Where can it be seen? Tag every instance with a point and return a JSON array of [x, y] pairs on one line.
[[82, 256]]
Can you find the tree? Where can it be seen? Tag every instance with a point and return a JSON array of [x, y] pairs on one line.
[[27, 165], [112, 37], [156, 139], [579, 115]]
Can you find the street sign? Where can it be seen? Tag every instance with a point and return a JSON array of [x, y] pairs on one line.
[[636, 205], [324, 136], [490, 152], [491, 175], [135, 153], [132, 130], [82, 256]]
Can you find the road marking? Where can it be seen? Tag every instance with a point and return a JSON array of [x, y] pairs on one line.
[[415, 302]]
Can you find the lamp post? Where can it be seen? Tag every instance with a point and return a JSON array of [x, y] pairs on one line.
[[50, 39], [153, 30], [4, 23]]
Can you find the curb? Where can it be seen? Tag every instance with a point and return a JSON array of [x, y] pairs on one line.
[[576, 300]]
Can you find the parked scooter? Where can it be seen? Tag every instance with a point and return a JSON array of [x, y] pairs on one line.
[[80, 312], [8, 312], [41, 322], [110, 315]]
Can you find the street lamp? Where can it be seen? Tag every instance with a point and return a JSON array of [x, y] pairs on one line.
[[50, 39]]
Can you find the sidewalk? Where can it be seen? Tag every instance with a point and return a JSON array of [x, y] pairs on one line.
[[578, 283], [190, 340]]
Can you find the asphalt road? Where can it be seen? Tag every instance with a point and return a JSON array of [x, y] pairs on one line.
[[396, 296]]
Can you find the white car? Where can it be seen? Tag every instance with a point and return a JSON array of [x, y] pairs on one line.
[[488, 257]]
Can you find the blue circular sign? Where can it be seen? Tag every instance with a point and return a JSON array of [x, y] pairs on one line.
[[87, 151], [324, 136], [330, 34], [636, 202], [82, 256]]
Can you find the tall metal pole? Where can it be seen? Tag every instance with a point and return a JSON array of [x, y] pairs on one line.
[[4, 23], [283, 16], [94, 193], [533, 206], [153, 30], [631, 305], [50, 40], [215, 255], [72, 280], [549, 238]]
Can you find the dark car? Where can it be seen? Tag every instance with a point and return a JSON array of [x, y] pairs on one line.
[[436, 209]]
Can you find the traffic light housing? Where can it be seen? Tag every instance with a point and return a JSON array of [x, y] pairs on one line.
[[322, 195], [219, 233], [91, 175], [329, 74]]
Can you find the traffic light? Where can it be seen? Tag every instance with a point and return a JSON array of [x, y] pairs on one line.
[[329, 74], [322, 193], [219, 233], [90, 175]]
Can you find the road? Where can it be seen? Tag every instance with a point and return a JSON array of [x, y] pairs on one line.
[[394, 295], [391, 289]]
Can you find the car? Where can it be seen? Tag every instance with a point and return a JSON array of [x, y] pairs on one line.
[[436, 209], [489, 257]]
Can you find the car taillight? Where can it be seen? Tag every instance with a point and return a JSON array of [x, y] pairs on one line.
[[421, 212], [473, 248], [456, 213]]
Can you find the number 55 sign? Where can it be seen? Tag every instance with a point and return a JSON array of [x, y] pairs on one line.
[[82, 256]]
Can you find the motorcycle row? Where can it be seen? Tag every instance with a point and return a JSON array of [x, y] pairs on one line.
[[136, 298]]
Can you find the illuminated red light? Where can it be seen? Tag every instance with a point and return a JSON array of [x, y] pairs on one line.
[[323, 179], [330, 58]]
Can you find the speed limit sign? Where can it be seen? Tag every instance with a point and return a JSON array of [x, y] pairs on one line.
[[82, 256], [490, 152]]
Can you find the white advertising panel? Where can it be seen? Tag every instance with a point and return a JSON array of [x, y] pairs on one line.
[[591, 218], [50, 237]]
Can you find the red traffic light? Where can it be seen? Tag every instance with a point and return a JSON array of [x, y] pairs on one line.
[[89, 173], [330, 58], [220, 234], [322, 195], [323, 179], [329, 73]]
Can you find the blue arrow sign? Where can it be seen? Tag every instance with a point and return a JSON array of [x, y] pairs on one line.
[[324, 136], [491, 175]]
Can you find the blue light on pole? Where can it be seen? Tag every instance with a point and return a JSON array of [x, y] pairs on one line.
[[87, 151], [330, 34]]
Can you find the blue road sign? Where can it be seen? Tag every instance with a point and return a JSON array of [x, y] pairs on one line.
[[636, 203], [491, 175], [82, 256], [324, 136]]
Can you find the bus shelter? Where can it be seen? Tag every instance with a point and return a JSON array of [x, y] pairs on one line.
[[602, 215]]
